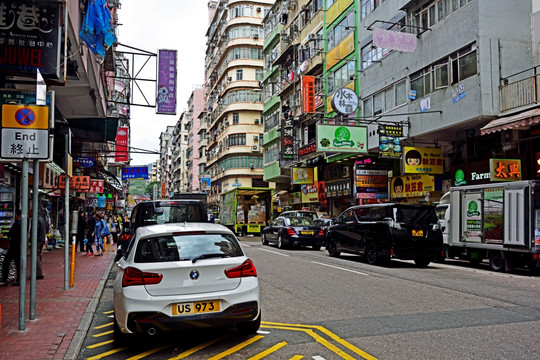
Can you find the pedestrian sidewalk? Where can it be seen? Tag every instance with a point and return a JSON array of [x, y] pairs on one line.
[[62, 316]]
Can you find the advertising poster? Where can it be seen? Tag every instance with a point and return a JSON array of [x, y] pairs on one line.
[[389, 141], [472, 216], [166, 82], [308, 94], [122, 144], [423, 160]]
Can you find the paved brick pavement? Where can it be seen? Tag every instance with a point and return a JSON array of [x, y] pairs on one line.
[[62, 316]]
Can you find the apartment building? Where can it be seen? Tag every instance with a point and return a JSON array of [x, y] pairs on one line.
[[441, 78], [234, 68]]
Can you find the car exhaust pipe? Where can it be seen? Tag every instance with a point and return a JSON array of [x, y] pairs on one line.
[[152, 331]]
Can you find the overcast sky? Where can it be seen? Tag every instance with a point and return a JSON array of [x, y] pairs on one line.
[[163, 24]]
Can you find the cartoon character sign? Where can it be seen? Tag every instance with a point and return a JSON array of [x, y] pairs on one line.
[[163, 95], [303, 176]]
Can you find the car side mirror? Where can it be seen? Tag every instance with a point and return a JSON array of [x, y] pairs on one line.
[[119, 254]]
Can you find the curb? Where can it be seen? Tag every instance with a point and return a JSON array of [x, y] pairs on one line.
[[78, 339]]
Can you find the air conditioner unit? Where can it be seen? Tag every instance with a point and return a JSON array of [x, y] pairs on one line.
[[256, 137], [256, 121], [255, 148], [252, 166], [259, 9], [255, 36]]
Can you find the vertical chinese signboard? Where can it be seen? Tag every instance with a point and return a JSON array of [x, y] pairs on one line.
[[122, 144], [389, 141], [308, 94], [287, 137], [166, 86]]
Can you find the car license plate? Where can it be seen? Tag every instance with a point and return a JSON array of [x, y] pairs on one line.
[[306, 232], [197, 307], [418, 233]]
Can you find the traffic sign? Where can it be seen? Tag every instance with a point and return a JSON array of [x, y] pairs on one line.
[[25, 116], [25, 144]]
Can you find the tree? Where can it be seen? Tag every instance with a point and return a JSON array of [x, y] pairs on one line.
[[149, 190]]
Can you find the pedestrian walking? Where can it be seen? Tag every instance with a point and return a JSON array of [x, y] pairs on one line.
[[14, 251], [90, 226], [115, 229], [42, 230], [100, 231], [81, 231]]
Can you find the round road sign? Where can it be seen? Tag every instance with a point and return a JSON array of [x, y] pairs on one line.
[[25, 116]]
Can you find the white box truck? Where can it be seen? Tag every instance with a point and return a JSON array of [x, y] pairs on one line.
[[499, 222]]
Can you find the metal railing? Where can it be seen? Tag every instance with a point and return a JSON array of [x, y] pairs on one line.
[[519, 93]]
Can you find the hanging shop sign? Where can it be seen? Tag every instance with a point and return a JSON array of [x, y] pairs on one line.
[[308, 94], [389, 141], [31, 37], [423, 160], [308, 149], [335, 138], [295, 198], [75, 182], [395, 40], [134, 172], [371, 181], [122, 144], [49, 174], [310, 193], [322, 194], [338, 188], [205, 183], [344, 101], [83, 161], [302, 176], [505, 169], [166, 82], [287, 137], [411, 186], [96, 186]]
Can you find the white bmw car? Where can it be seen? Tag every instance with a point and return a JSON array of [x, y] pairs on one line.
[[177, 276]]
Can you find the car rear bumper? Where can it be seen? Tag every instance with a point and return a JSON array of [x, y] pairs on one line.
[[300, 241], [136, 310], [142, 322]]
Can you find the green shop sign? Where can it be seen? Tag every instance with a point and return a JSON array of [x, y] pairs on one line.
[[336, 138]]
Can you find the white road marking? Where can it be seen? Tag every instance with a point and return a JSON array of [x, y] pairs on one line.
[[275, 252], [340, 268], [317, 357], [262, 332]]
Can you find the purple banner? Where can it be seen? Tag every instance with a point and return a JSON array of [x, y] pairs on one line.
[[166, 86], [394, 40]]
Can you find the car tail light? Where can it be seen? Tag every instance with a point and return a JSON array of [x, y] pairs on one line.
[[245, 270], [291, 231], [321, 232], [125, 237], [133, 276]]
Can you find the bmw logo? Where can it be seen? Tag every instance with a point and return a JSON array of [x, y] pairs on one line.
[[194, 274]]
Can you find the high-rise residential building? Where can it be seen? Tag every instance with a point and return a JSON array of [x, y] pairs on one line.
[[196, 105], [234, 104], [165, 159]]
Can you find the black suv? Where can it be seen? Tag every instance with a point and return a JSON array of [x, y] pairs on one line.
[[382, 231], [161, 212]]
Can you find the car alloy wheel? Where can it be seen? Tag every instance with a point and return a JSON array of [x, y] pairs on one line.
[[371, 254], [332, 249], [280, 242], [263, 239]]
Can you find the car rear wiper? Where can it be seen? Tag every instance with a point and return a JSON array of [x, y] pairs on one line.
[[207, 256]]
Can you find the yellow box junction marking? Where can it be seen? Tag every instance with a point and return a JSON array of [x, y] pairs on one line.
[[269, 351], [307, 329]]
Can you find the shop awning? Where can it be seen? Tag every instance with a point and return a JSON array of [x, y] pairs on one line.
[[519, 121], [111, 179]]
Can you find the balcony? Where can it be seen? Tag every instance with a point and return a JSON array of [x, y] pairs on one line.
[[519, 93]]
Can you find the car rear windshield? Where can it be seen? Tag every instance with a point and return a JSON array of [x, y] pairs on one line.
[[301, 221], [417, 215], [186, 247], [175, 212]]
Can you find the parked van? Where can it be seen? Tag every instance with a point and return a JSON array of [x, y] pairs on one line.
[[384, 231]]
